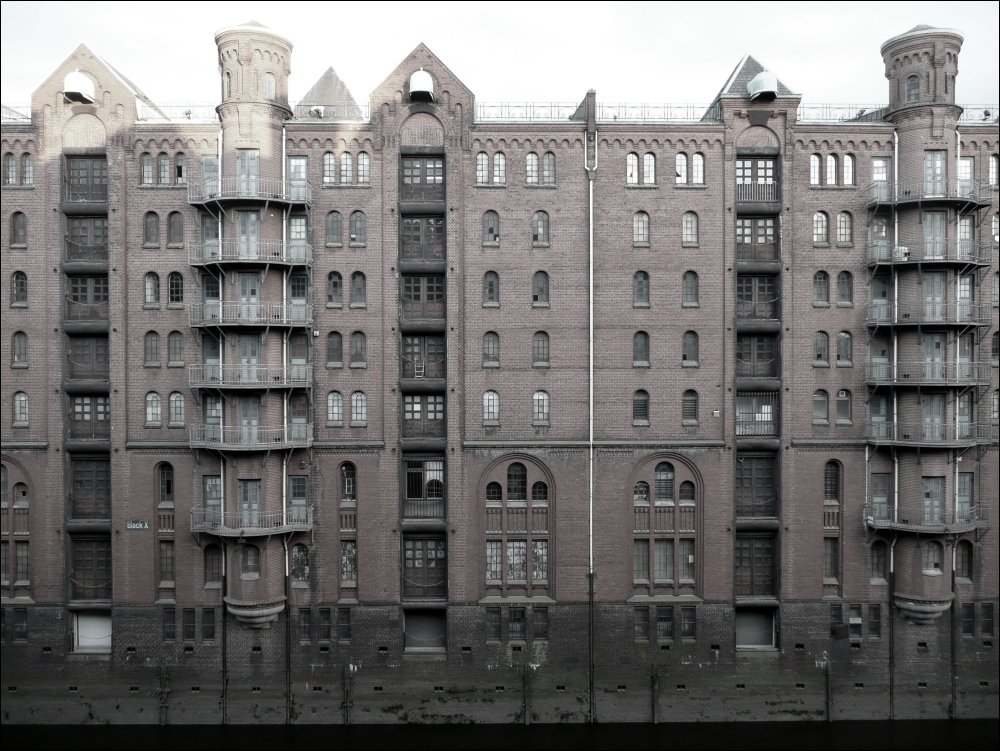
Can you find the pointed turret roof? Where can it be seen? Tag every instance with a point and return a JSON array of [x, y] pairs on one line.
[[332, 95]]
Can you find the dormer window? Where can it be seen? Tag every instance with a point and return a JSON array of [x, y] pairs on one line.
[[421, 87]]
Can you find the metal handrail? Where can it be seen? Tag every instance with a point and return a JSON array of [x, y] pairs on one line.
[[257, 251], [258, 376], [921, 371], [244, 522], [918, 432], [255, 188], [930, 189], [757, 191], [251, 438], [260, 313], [914, 312], [86, 311], [882, 514], [922, 251], [81, 252]]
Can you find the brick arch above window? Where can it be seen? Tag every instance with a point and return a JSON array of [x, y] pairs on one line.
[[537, 471]]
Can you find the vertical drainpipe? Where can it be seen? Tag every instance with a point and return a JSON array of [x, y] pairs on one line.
[[892, 628], [591, 173]]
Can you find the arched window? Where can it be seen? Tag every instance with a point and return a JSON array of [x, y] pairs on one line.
[[175, 287], [632, 169], [649, 169], [18, 229], [689, 228], [499, 168], [844, 348], [359, 407], [494, 493], [19, 288], [146, 169], [681, 169], [250, 560], [640, 406], [213, 564], [152, 348], [698, 169], [28, 169], [540, 406], [334, 348], [517, 483], [821, 228], [963, 559], [848, 170], [640, 494], [359, 228], [548, 168], [640, 289], [831, 169], [300, 562], [163, 169], [821, 287], [539, 494], [689, 348], [153, 407], [491, 227], [482, 167], [176, 407], [334, 229], [912, 89], [844, 405], [831, 482], [175, 228], [689, 292], [359, 348], [531, 168], [334, 288], [491, 406], [815, 169], [152, 288], [364, 168], [491, 348], [821, 406], [348, 484], [329, 168], [540, 348], [663, 484], [9, 170], [540, 227], [491, 288], [540, 288], [640, 349], [845, 228], [19, 349], [166, 479], [845, 287], [933, 558], [20, 408], [334, 407], [821, 347], [686, 496], [640, 228], [689, 407], [151, 228], [175, 348], [359, 289], [227, 86], [346, 168]]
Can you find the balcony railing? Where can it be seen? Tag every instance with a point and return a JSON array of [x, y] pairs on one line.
[[424, 428], [757, 368], [249, 376], [421, 192], [757, 414], [918, 312], [423, 508], [87, 370], [251, 314], [757, 191], [98, 429], [923, 251], [251, 438], [88, 590], [78, 252], [757, 252], [250, 188], [756, 506], [423, 368], [934, 433], [247, 251], [85, 192], [420, 310], [881, 515], [931, 189], [933, 373], [86, 311], [757, 310], [248, 523]]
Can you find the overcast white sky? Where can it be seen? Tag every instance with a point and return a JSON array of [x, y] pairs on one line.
[[636, 52]]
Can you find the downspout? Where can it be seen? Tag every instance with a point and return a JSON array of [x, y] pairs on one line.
[[225, 594], [288, 637], [892, 628], [955, 614]]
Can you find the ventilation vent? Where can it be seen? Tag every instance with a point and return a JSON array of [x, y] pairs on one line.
[[763, 87]]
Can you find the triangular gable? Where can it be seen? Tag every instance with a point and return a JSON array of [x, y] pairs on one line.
[[421, 57]]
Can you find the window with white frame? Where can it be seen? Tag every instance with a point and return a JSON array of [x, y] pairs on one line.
[[20, 413], [548, 168], [531, 168], [640, 229], [491, 349], [640, 289], [499, 168], [689, 228], [698, 169], [821, 228], [845, 228], [153, 408], [540, 408], [491, 407], [335, 408], [681, 169], [176, 405], [359, 408]]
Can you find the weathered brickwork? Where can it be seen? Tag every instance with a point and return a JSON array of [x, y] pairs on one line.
[[322, 413]]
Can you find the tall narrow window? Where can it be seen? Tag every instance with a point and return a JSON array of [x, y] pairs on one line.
[[364, 169], [640, 409], [843, 406], [640, 289], [821, 225], [491, 348], [346, 168], [831, 169], [689, 407], [359, 348], [19, 288], [348, 484], [359, 228], [499, 168], [689, 348], [821, 287], [689, 292], [359, 290], [163, 169], [175, 288], [334, 288], [689, 228], [152, 348], [18, 229], [334, 348], [146, 169], [640, 228], [151, 228], [540, 407], [912, 89], [821, 406], [491, 227], [531, 168], [845, 228], [334, 229], [640, 349], [847, 175], [9, 175], [482, 167], [334, 407], [548, 168], [540, 289], [681, 169], [19, 349], [175, 228], [491, 406], [845, 288], [540, 228], [540, 348], [821, 348], [153, 407], [491, 288], [20, 408], [632, 169], [359, 408], [815, 169], [698, 169], [152, 288], [831, 482], [649, 169]]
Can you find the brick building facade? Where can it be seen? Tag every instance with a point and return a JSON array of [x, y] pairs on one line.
[[426, 410]]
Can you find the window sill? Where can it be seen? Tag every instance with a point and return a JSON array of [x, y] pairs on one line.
[[689, 364], [491, 185], [335, 305], [175, 246], [539, 244], [845, 364], [249, 577], [491, 423], [20, 426], [491, 305], [19, 305], [640, 305], [640, 364], [821, 245], [691, 186], [842, 423], [543, 186], [357, 245], [335, 246], [491, 365], [640, 423], [151, 306], [640, 245], [641, 186], [878, 580], [335, 366], [19, 246], [540, 423], [300, 585], [932, 572], [174, 425], [151, 365], [822, 423], [818, 304], [19, 365], [28, 186], [829, 581], [151, 245], [175, 364], [175, 306], [153, 425], [358, 306], [359, 423], [359, 366], [845, 305], [690, 423], [539, 365], [335, 424], [349, 584], [166, 585], [689, 244], [820, 364], [845, 245], [213, 585], [346, 185], [539, 304], [491, 244], [690, 305]]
